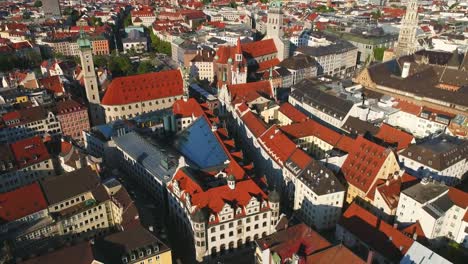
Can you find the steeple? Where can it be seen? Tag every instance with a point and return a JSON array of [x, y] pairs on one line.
[[407, 39], [90, 79]]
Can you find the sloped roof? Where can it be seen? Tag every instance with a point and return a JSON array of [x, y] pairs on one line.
[[375, 233], [248, 92], [292, 113], [259, 48], [187, 108], [391, 134], [199, 144], [21, 202], [335, 254], [77, 254], [29, 151], [143, 87], [363, 163], [277, 144]]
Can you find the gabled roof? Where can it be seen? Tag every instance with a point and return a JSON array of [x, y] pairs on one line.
[[391, 134], [363, 163], [144, 87], [292, 240], [187, 108], [29, 151], [21, 202], [277, 144], [59, 188], [248, 92], [375, 233], [259, 48], [335, 254], [254, 124], [199, 144], [81, 253], [292, 113]]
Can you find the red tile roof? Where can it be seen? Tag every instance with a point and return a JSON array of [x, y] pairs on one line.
[[408, 107], [335, 254], [390, 190], [248, 92], [29, 151], [300, 158], [214, 198], [277, 144], [254, 124], [415, 229], [292, 240], [377, 234], [53, 84], [259, 48], [69, 106], [458, 197], [144, 87], [391, 134], [266, 65], [313, 128], [187, 108], [292, 113], [21, 202], [363, 163]]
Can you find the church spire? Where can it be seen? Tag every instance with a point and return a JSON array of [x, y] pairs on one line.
[[407, 39]]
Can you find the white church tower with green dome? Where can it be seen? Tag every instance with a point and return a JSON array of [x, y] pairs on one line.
[[90, 80]]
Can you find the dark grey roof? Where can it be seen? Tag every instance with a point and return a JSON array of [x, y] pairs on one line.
[[308, 92], [132, 241], [320, 179], [216, 40], [424, 192], [438, 153], [355, 125], [59, 188], [439, 207], [299, 61], [338, 46]]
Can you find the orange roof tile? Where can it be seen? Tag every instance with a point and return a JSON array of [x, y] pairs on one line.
[[187, 108], [459, 197], [259, 48], [382, 237], [248, 92], [391, 134], [278, 145], [143, 87], [292, 113], [21, 202], [363, 163]]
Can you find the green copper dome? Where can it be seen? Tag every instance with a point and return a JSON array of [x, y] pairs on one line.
[[83, 42]]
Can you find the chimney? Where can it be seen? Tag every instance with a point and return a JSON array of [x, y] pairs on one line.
[[405, 70], [395, 225]]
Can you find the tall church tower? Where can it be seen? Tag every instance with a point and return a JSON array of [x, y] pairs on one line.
[[90, 80], [275, 20], [275, 29], [407, 39]]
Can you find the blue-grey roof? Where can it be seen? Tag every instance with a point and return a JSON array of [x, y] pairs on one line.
[[199, 145], [158, 161]]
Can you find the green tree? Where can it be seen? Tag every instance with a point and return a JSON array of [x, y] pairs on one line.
[[376, 14], [96, 21], [379, 53], [159, 45], [128, 20], [233, 4], [145, 67], [100, 60], [38, 3], [120, 65]]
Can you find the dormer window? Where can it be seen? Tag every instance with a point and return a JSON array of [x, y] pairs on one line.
[[140, 254], [212, 218], [238, 211], [148, 251], [133, 257], [125, 260]]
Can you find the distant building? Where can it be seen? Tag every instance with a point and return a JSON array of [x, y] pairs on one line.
[[443, 158], [201, 66], [310, 97], [135, 41], [51, 8], [28, 122], [300, 67], [73, 118]]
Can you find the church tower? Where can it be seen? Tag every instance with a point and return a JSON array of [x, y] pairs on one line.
[[238, 66], [90, 80], [275, 29], [407, 39], [275, 20]]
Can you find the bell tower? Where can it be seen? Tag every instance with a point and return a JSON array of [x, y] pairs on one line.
[[90, 80], [275, 20], [407, 38]]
